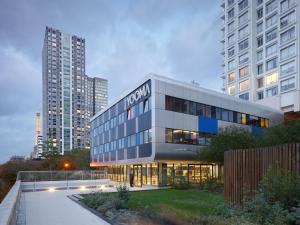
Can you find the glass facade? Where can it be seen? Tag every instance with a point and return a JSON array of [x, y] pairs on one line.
[[199, 109], [124, 130]]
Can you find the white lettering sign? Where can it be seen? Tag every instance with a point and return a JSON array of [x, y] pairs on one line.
[[138, 94]]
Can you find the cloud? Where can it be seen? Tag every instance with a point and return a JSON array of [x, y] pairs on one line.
[[125, 40]]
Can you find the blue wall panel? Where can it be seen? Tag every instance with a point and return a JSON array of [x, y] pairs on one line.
[[207, 125]]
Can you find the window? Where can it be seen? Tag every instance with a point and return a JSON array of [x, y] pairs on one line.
[[259, 27], [231, 14], [244, 96], [286, 4], [259, 2], [271, 21], [243, 4], [260, 95], [231, 65], [231, 76], [287, 84], [271, 6], [231, 39], [287, 68], [231, 26], [288, 19], [271, 35], [271, 64], [259, 13], [243, 45], [244, 58], [230, 2], [288, 52], [272, 91], [230, 52], [243, 18], [260, 41], [259, 55], [231, 89], [260, 82], [244, 31], [243, 72], [272, 49], [271, 78], [260, 69], [244, 85], [287, 36]]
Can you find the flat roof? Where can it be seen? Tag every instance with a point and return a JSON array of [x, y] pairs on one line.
[[187, 85]]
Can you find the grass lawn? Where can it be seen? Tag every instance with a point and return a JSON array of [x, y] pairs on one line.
[[184, 204]]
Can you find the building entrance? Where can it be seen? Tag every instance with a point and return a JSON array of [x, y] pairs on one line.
[[137, 173]]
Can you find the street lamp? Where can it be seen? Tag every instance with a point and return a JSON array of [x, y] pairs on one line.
[[66, 166]]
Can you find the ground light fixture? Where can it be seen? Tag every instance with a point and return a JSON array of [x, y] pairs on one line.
[[52, 189]]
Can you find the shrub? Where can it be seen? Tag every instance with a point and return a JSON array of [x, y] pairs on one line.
[[123, 193], [94, 200], [294, 215], [180, 182]]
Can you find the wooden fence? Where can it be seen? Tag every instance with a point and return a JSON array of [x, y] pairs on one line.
[[244, 169]]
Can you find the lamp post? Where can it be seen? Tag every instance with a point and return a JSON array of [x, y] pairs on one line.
[[66, 166]]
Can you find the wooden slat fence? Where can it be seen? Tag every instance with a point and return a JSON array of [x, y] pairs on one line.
[[244, 169]]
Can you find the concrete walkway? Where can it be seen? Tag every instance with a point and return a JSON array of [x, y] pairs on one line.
[[55, 208]]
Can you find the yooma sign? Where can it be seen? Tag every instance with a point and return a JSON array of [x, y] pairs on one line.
[[140, 93]]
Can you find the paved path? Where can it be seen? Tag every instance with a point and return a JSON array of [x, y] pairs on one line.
[[55, 208]]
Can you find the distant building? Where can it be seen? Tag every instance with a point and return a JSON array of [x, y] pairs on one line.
[[38, 139], [261, 51], [17, 158], [67, 104]]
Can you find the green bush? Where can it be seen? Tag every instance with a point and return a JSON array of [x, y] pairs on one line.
[[180, 182], [294, 215], [94, 200], [123, 193]]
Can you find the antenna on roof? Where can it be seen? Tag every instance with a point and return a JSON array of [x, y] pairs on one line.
[[193, 82]]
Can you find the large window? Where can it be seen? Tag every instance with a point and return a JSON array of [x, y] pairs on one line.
[[272, 49], [230, 52], [287, 36], [287, 68], [272, 20], [231, 26], [244, 31], [259, 27], [243, 4], [243, 45], [244, 58], [288, 52], [271, 78], [243, 18], [271, 64], [286, 4], [244, 96], [244, 85], [259, 55], [271, 35], [259, 13], [231, 14], [231, 76], [260, 82], [272, 91], [231, 39], [271, 6], [287, 84], [260, 69], [178, 136], [260, 41], [288, 19], [260, 95], [243, 72], [231, 89], [231, 65]]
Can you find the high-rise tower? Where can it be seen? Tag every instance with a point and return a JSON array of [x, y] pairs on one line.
[[261, 51]]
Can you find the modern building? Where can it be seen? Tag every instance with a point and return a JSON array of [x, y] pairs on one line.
[[65, 117], [156, 128], [96, 100], [261, 51]]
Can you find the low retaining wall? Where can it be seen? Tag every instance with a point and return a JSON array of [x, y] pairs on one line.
[[9, 204]]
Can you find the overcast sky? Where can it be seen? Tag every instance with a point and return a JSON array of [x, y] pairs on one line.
[[125, 40]]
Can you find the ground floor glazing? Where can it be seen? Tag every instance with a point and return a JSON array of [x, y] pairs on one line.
[[164, 173]]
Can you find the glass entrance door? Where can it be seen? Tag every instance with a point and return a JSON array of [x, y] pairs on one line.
[[137, 173]]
